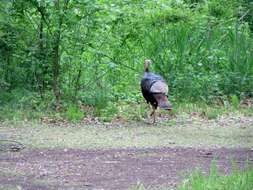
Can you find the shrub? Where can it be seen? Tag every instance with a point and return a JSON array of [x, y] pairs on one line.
[[74, 113]]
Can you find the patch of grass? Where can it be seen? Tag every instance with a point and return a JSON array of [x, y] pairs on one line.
[[106, 113], [179, 131], [238, 180], [247, 111], [8, 113], [133, 111], [128, 111], [235, 102], [213, 113], [207, 111], [74, 113]]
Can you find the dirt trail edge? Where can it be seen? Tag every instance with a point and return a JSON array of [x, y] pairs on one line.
[[110, 169]]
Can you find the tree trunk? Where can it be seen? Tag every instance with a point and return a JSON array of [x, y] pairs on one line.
[[77, 85], [56, 69], [56, 56], [40, 77]]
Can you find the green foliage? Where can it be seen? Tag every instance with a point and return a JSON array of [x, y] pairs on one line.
[[200, 109], [238, 180], [132, 111], [107, 113], [93, 51], [74, 113], [202, 68], [235, 101], [212, 113]]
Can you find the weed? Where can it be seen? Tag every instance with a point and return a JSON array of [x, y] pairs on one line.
[[235, 102], [212, 113], [139, 186], [74, 113], [238, 180], [107, 113]]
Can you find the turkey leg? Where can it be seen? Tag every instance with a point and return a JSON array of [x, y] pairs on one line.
[[153, 114]]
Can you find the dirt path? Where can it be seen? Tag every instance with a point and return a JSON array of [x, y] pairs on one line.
[[109, 169]]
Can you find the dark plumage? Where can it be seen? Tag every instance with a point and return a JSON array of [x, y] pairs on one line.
[[154, 89]]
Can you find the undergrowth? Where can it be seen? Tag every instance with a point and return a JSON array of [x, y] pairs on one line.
[[74, 113], [26, 106], [238, 180], [202, 48]]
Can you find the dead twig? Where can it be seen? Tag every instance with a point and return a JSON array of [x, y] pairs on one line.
[[11, 145]]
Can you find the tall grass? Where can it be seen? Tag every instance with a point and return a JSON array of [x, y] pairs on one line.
[[238, 180], [204, 59]]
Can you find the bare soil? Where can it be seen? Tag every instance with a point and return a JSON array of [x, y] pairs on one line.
[[110, 169]]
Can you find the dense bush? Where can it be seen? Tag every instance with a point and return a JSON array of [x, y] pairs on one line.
[[93, 51]]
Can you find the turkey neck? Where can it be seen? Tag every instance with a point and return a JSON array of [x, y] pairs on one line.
[[146, 67]]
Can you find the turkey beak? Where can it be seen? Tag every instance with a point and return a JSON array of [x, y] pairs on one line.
[[169, 108], [169, 104]]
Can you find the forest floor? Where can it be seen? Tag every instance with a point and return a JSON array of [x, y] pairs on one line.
[[121, 155]]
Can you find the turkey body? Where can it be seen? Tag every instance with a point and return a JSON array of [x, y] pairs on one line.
[[155, 90]]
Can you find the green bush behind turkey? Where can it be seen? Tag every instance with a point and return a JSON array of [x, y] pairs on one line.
[[91, 52]]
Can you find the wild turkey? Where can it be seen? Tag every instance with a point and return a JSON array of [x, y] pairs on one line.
[[155, 90]]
